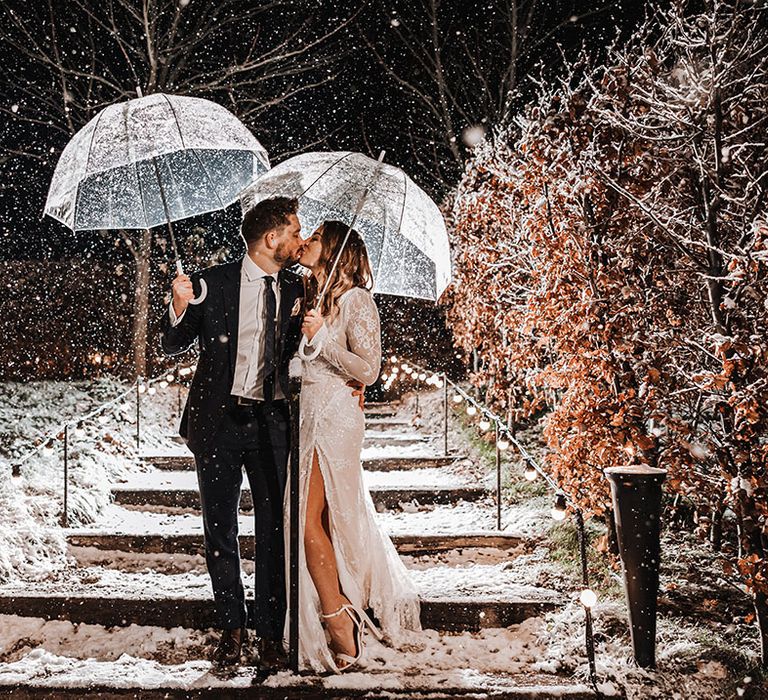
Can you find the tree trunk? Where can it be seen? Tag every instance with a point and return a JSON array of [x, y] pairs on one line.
[[141, 254]]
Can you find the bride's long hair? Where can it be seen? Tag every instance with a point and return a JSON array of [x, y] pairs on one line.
[[353, 270]]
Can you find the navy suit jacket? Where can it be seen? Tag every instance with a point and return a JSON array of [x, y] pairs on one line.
[[214, 325]]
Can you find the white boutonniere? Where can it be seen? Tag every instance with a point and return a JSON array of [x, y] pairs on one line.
[[296, 307]]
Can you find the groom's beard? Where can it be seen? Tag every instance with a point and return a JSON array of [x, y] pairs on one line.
[[284, 258]]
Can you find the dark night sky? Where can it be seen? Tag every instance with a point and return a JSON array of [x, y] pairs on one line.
[[361, 108]]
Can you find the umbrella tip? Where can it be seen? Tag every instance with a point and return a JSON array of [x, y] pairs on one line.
[[139, 91], [381, 156]]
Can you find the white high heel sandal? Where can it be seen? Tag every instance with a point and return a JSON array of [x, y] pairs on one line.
[[360, 620]]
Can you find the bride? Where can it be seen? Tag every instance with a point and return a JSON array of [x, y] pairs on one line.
[[346, 562]]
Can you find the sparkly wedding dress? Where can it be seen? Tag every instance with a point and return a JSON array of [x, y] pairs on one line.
[[370, 571]]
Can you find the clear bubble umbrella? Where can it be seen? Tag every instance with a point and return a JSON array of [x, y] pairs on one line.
[[151, 161], [403, 229]]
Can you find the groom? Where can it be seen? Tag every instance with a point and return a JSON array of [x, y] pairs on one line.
[[247, 329]]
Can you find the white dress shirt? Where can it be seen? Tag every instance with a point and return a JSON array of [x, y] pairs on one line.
[[249, 365]]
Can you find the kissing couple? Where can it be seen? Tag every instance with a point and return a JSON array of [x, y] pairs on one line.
[[248, 329]]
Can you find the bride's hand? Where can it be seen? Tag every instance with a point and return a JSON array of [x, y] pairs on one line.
[[313, 322]]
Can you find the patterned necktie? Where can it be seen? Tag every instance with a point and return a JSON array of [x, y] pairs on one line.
[[270, 304]]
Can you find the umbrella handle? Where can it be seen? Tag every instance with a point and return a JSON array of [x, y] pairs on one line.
[[203, 286], [302, 345]]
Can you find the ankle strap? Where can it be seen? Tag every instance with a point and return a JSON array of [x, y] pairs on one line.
[[344, 607]]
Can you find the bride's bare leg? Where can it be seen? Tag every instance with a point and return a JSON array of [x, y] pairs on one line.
[[321, 562]]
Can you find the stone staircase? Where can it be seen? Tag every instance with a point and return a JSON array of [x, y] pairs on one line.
[[142, 566]]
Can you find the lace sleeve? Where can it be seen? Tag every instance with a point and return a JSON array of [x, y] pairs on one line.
[[362, 359]]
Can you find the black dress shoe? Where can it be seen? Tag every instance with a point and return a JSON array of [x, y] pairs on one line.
[[227, 653]]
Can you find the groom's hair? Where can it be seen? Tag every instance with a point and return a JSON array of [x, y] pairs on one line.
[[268, 214]]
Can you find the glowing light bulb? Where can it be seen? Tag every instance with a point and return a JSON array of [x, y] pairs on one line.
[[588, 598], [503, 444], [169, 378], [79, 430], [484, 424], [530, 474], [101, 418], [384, 377], [163, 384], [457, 398], [559, 508], [422, 376], [48, 448], [393, 359], [471, 410], [142, 388], [151, 391]]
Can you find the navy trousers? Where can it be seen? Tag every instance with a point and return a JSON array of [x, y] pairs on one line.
[[255, 438]]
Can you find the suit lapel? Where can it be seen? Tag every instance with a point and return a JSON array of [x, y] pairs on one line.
[[231, 298]]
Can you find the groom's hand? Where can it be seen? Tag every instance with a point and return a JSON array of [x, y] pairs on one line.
[[182, 294], [359, 391]]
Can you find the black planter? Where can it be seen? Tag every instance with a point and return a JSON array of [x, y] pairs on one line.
[[636, 492]]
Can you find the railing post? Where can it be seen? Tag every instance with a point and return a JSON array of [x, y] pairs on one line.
[[445, 413], [178, 392], [139, 381], [590, 640], [65, 513], [498, 479]]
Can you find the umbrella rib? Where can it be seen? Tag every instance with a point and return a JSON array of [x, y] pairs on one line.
[[196, 154], [332, 165], [87, 165], [135, 164]]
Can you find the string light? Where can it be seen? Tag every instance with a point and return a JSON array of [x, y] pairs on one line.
[[588, 598], [48, 448], [558, 509], [151, 391], [169, 378], [79, 429], [384, 377], [404, 367], [530, 473], [393, 359], [471, 409], [457, 398], [422, 376], [484, 424], [503, 444], [101, 418], [163, 384], [142, 388]]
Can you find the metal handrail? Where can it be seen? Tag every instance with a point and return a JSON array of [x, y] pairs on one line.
[[62, 431], [562, 497]]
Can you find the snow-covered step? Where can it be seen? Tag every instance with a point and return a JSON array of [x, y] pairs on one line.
[[49, 676], [192, 543], [60, 660], [383, 496], [375, 460], [392, 423], [440, 520], [453, 599]]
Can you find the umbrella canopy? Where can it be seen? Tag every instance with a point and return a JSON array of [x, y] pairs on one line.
[[402, 227], [153, 160]]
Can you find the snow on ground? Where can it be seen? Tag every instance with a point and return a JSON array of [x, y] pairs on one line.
[[31, 543], [160, 480], [479, 581], [150, 657]]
